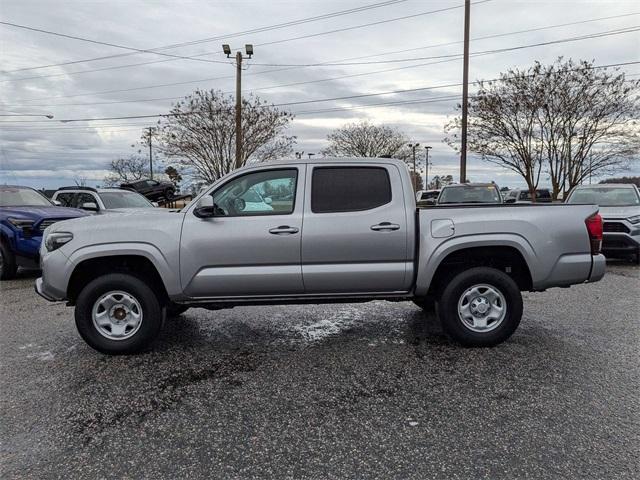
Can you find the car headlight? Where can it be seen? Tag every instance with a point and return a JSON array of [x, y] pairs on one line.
[[635, 219], [55, 240], [21, 223]]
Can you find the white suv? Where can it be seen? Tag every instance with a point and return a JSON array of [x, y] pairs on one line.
[[101, 200]]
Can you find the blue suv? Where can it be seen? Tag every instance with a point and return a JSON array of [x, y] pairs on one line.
[[24, 214]]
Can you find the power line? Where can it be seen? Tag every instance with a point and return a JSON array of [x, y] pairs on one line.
[[607, 33], [157, 50], [108, 44], [304, 102], [118, 67], [454, 57]]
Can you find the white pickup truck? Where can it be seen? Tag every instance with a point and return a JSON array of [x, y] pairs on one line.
[[331, 230]]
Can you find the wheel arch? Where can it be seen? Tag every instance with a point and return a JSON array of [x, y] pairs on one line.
[[508, 255]]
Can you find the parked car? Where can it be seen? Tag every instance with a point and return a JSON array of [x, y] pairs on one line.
[[101, 200], [152, 189], [469, 193], [427, 197], [523, 195], [24, 215], [351, 232], [620, 208]]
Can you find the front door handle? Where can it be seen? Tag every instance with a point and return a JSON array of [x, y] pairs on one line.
[[283, 230], [385, 227]]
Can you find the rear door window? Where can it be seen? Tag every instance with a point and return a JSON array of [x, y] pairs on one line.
[[349, 189]]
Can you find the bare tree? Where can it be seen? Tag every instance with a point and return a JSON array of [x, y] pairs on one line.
[[366, 140], [125, 170], [590, 117], [199, 133], [569, 120], [503, 126]]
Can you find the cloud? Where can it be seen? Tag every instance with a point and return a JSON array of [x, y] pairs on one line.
[[50, 151]]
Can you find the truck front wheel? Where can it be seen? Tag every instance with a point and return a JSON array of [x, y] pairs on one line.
[[480, 307], [118, 314]]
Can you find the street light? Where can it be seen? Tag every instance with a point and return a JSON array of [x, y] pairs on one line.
[[239, 57]]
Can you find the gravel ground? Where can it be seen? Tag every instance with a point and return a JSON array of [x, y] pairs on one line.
[[337, 391]]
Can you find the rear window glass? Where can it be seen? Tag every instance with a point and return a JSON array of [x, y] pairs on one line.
[[349, 189]]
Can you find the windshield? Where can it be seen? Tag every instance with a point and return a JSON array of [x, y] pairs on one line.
[[480, 194], [22, 197], [122, 199], [606, 196]]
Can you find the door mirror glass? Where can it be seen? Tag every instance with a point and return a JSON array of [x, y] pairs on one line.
[[268, 200]]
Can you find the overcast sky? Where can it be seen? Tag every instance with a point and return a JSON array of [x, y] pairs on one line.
[[40, 152]]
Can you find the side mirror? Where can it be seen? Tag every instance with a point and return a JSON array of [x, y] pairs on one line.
[[205, 208], [268, 200], [91, 206], [57, 203], [510, 200], [155, 204], [430, 201]]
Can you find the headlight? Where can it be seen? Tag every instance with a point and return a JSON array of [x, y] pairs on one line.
[[55, 240], [635, 219], [21, 223]]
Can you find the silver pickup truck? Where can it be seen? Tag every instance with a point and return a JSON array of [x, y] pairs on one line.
[[325, 231]]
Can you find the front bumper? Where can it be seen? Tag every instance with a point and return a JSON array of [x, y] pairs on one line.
[[620, 243], [40, 290]]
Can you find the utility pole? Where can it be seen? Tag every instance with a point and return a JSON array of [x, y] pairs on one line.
[[465, 93], [238, 109], [426, 165], [150, 154], [413, 147], [239, 57]]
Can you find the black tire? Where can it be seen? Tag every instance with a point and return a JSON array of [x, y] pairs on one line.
[[453, 325], [150, 325], [175, 309], [169, 193], [636, 258], [8, 267]]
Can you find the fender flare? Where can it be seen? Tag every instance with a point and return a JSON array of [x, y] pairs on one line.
[[434, 258], [168, 274]]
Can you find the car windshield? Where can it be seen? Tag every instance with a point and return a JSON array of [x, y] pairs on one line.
[[122, 199], [606, 196], [22, 197], [540, 194], [479, 194]]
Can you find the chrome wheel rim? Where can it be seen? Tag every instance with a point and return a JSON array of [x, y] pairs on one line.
[[117, 315], [482, 308]]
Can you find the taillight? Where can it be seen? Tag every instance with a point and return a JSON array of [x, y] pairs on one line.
[[594, 227]]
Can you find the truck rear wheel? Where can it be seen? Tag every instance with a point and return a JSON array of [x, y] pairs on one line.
[[480, 307], [8, 267], [118, 314]]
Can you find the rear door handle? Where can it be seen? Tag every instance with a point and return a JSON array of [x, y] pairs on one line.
[[385, 226], [283, 230]]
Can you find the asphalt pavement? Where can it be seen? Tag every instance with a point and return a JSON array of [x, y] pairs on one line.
[[331, 391]]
